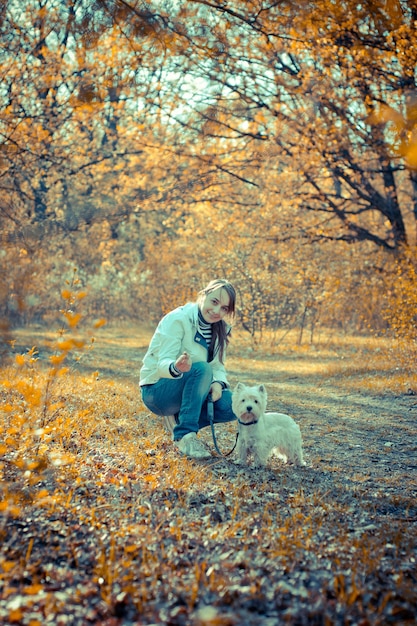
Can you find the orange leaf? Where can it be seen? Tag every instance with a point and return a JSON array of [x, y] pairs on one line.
[[57, 360], [15, 615], [65, 346], [8, 565], [33, 589], [411, 156], [72, 318], [100, 323], [43, 493]]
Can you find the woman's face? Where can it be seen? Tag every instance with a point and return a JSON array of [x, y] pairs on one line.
[[215, 305]]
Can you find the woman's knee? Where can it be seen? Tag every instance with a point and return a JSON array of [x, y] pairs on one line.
[[199, 378], [201, 366], [202, 370]]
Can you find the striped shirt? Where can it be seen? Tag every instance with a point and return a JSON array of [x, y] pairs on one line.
[[204, 328]]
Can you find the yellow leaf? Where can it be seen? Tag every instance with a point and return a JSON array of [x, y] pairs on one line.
[[20, 359], [8, 565], [43, 493], [65, 346], [10, 508], [100, 323], [411, 156], [33, 589], [30, 393], [131, 549], [57, 360], [56, 405], [15, 615], [72, 318], [66, 294]]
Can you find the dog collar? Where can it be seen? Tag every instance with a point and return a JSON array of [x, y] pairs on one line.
[[247, 423]]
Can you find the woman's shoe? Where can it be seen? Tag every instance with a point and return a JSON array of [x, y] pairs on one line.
[[192, 447]]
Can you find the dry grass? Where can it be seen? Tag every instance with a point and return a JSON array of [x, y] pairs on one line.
[[104, 523]]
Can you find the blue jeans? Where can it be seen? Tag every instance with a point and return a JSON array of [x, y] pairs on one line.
[[186, 397]]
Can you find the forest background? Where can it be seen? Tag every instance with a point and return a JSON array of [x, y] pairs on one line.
[[155, 145]]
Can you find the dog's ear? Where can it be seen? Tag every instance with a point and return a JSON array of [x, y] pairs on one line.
[[238, 387], [262, 389]]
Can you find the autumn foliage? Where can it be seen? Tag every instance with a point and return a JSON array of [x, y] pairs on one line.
[[146, 148], [175, 143]]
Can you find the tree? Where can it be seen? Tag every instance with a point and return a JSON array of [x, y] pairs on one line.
[[335, 91], [332, 89], [143, 130]]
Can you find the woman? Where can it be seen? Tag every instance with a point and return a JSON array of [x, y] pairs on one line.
[[185, 363]]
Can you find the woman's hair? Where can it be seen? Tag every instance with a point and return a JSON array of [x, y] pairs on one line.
[[220, 329]]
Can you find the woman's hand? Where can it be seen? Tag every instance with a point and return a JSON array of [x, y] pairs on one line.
[[216, 391], [183, 363]]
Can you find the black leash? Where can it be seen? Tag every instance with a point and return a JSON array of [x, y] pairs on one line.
[[210, 414]]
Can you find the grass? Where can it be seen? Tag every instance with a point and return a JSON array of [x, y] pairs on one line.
[[102, 522]]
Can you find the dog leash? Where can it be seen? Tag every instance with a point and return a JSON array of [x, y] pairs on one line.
[[210, 415]]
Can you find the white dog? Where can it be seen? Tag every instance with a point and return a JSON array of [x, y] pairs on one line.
[[264, 434]]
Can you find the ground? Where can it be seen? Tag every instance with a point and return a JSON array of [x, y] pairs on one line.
[[126, 531]]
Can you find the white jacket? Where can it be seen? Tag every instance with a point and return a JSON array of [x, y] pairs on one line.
[[178, 332]]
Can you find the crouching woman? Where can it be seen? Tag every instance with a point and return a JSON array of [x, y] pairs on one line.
[[185, 363]]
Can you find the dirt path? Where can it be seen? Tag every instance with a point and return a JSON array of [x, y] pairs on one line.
[[365, 443]]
